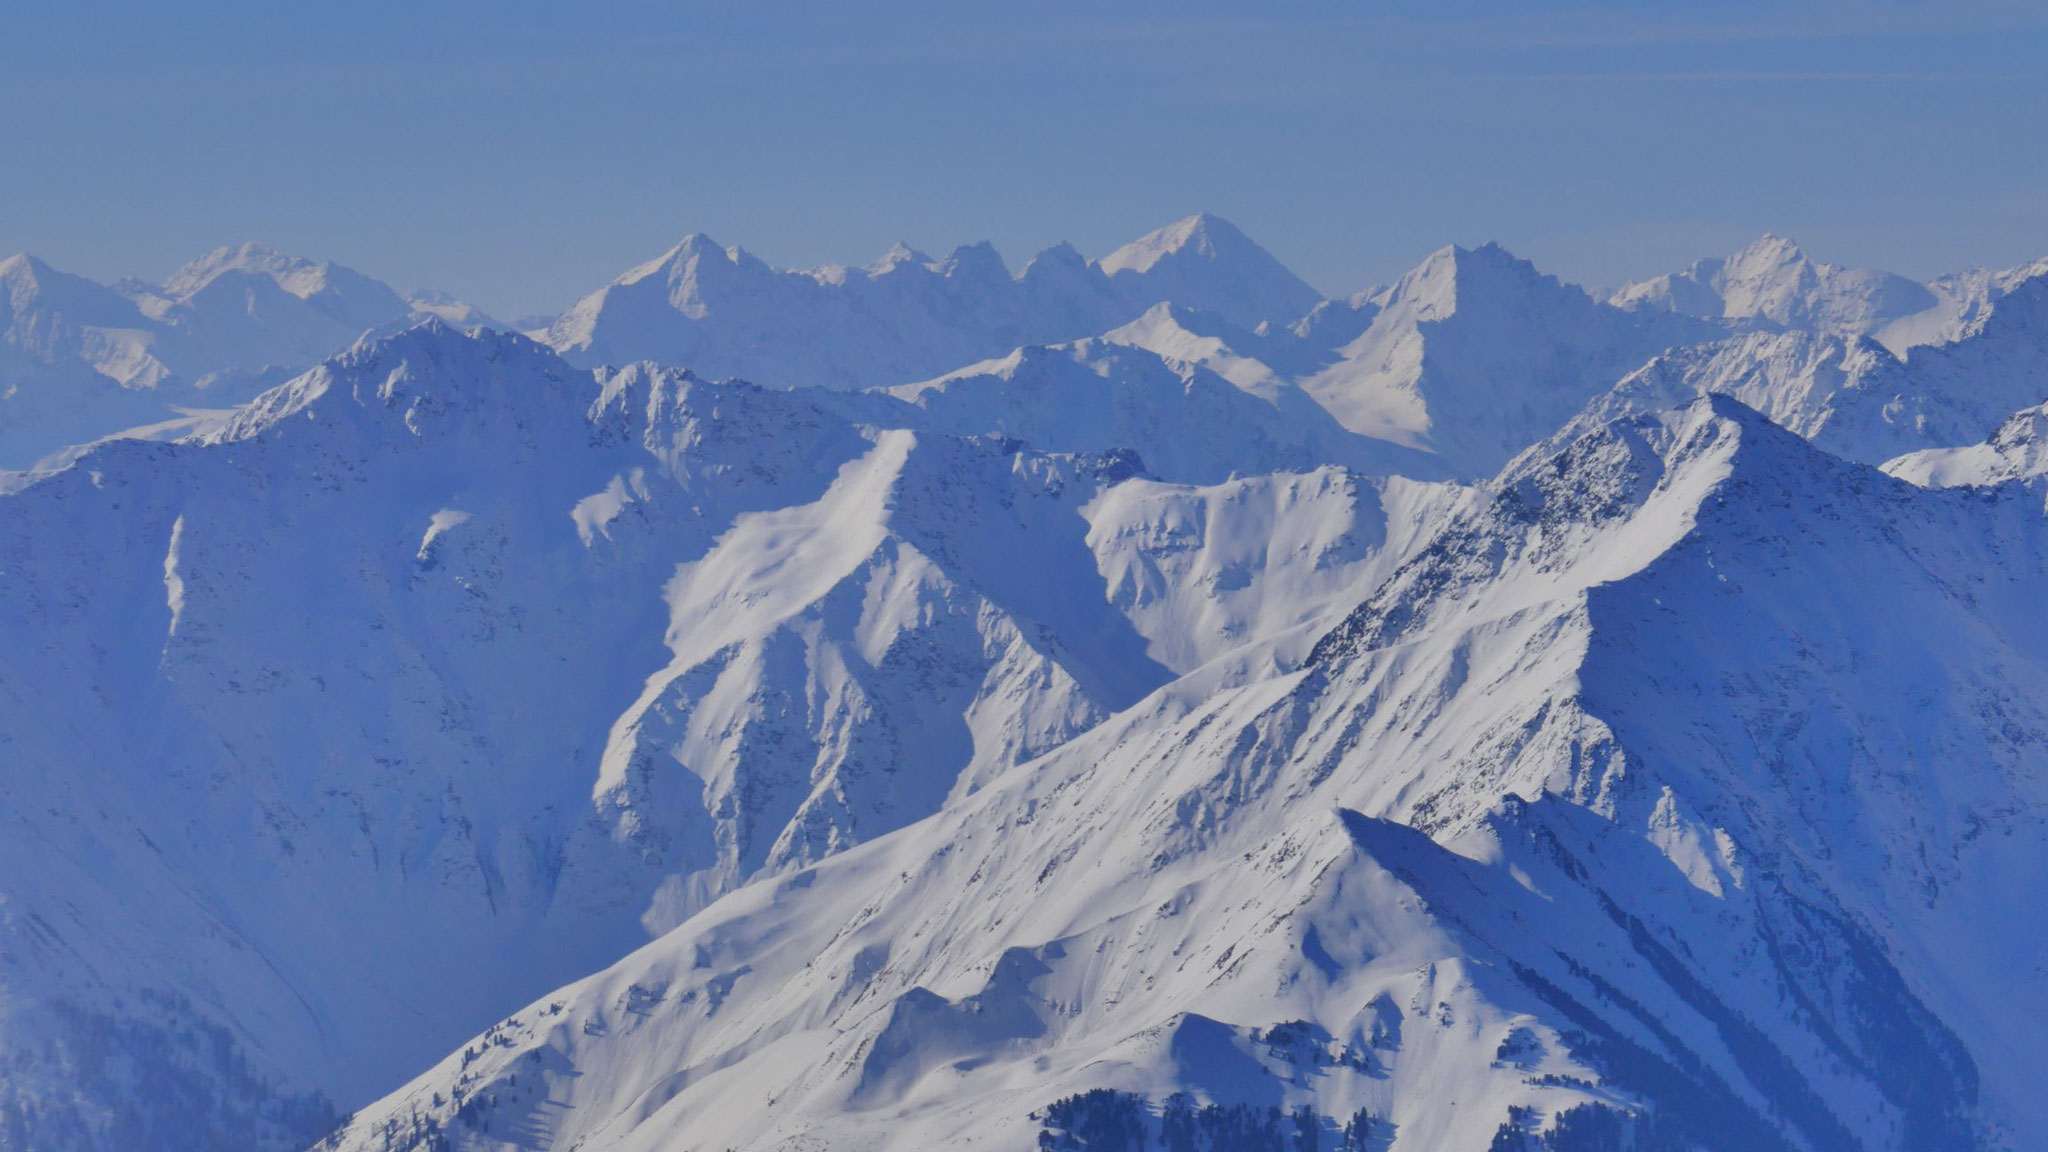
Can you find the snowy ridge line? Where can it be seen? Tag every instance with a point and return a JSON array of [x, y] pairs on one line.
[[1467, 715]]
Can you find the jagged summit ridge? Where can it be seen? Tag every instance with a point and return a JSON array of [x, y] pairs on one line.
[[908, 317]]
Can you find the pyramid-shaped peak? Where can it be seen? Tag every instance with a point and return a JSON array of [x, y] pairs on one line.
[[27, 282], [23, 278], [693, 250], [1206, 262], [899, 255], [1060, 255], [1769, 250], [695, 245], [1204, 234], [979, 258], [1433, 286], [1773, 242], [23, 269]]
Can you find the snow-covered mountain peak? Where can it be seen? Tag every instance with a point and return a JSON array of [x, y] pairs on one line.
[[900, 255], [908, 317], [1773, 283], [346, 296], [1206, 262], [294, 274], [1164, 317], [21, 268], [977, 263], [1475, 354], [1967, 299], [684, 259], [425, 382], [449, 308], [1202, 234], [1060, 258], [29, 285], [1768, 252], [1430, 289], [1453, 276]]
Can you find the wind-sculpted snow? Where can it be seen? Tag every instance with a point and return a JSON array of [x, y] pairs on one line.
[[1266, 561], [1690, 778]]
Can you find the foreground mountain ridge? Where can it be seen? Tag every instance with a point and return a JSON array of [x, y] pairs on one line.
[[1396, 878]]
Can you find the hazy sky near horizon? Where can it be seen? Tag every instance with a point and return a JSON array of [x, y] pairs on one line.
[[520, 153]]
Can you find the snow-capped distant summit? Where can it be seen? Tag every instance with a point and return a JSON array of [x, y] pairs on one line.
[[898, 255], [97, 360], [1205, 262], [347, 300], [78, 360], [1773, 283], [450, 309], [1474, 354], [39, 304]]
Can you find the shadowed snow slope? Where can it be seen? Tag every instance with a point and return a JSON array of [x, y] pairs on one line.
[[570, 655], [1685, 792]]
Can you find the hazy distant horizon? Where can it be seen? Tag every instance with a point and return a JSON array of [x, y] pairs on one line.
[[517, 155]]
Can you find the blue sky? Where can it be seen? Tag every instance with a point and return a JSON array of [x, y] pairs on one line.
[[520, 153]]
